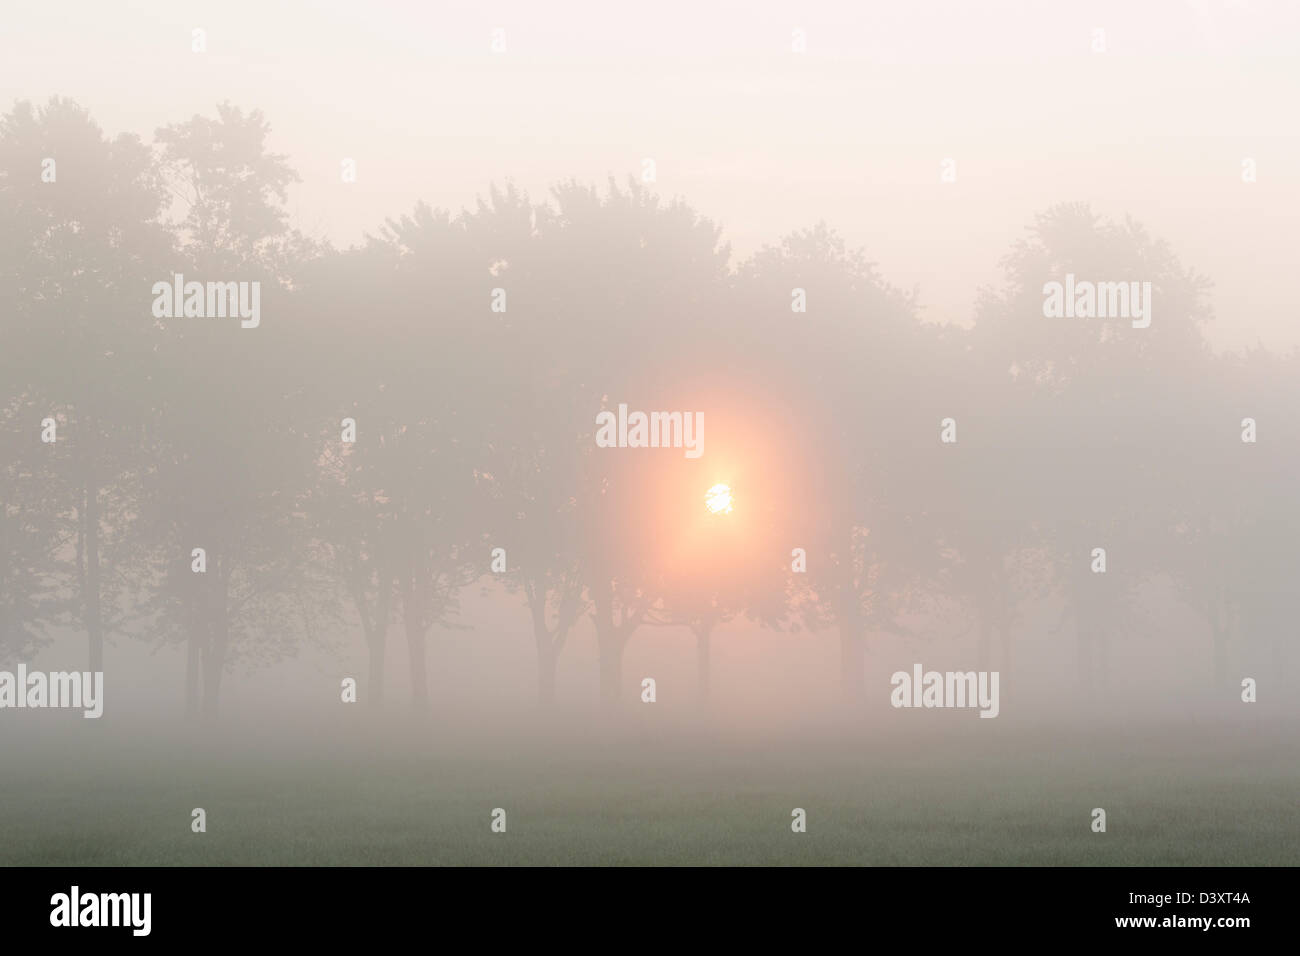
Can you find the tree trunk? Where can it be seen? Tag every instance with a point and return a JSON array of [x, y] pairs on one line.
[[1220, 637], [192, 670], [375, 681], [1103, 659], [213, 665], [214, 658], [377, 637], [853, 663], [1083, 640], [546, 661], [93, 612], [195, 643], [611, 670], [702, 662], [611, 639], [547, 657], [415, 651]]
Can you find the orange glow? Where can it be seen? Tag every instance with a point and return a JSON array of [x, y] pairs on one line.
[[718, 499]]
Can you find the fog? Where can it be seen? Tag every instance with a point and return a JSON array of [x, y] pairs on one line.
[[326, 329], [852, 132]]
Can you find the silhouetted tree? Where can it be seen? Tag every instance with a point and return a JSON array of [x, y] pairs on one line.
[[1100, 395], [234, 441], [847, 369], [82, 250]]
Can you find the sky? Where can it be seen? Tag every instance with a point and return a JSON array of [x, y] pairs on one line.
[[760, 139]]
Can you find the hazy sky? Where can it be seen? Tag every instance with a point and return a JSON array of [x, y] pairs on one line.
[[756, 137]]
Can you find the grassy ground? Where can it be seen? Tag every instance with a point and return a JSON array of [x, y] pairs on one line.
[[1024, 798]]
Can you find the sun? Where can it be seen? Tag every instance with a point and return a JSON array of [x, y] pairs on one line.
[[718, 499]]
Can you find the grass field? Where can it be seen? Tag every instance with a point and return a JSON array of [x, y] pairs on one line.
[[1022, 797]]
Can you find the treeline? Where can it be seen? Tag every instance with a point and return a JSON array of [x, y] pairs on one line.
[[885, 469]]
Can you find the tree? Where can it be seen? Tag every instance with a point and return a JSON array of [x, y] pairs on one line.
[[425, 430], [32, 536], [233, 461], [847, 371], [612, 265], [1099, 409], [82, 250]]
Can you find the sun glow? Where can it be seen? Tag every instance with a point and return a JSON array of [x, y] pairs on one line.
[[718, 499]]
